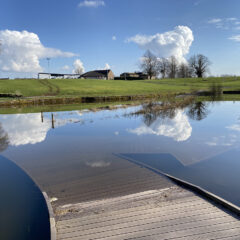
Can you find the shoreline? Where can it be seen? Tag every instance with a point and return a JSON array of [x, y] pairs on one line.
[[43, 101], [38, 101]]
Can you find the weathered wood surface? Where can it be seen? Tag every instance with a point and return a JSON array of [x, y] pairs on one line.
[[165, 211], [87, 184]]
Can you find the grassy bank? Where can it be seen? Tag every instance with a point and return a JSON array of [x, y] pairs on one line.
[[75, 91], [88, 88], [97, 105]]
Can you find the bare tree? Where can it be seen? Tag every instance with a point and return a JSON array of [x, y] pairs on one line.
[[149, 64], [200, 65], [184, 71], [78, 67], [78, 71], [172, 67], [163, 67]]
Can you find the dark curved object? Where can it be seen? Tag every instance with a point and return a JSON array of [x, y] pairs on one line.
[[23, 210]]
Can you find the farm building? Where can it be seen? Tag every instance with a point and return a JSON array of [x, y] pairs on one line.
[[99, 74], [57, 76], [135, 75]]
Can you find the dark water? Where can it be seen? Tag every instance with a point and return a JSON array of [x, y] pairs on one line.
[[199, 143], [23, 212]]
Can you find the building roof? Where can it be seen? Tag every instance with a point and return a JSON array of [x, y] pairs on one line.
[[96, 73], [60, 74], [138, 73]]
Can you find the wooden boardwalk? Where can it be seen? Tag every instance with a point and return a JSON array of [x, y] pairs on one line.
[[165, 211]]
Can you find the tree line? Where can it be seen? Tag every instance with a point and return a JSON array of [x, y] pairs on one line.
[[196, 66]]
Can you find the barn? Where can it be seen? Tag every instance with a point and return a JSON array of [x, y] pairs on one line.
[[57, 76], [99, 74]]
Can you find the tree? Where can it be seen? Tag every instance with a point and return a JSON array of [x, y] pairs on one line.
[[200, 65], [149, 64], [172, 67], [78, 67], [163, 67], [184, 71], [78, 71]]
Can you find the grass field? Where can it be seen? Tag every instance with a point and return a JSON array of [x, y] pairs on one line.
[[89, 88]]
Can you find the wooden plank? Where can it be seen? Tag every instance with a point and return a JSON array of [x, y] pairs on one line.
[[223, 234], [185, 209], [150, 208], [146, 195], [105, 191], [185, 215], [155, 228], [157, 220]]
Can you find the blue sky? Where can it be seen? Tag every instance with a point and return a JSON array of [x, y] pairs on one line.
[[104, 32]]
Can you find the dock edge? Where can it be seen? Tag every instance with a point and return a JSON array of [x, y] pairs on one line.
[[52, 221], [204, 193]]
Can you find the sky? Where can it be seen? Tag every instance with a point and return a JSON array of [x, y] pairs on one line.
[[102, 34]]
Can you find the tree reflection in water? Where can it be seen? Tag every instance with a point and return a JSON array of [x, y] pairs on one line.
[[4, 140], [195, 110], [198, 111]]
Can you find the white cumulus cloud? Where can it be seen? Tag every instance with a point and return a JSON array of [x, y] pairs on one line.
[[21, 51], [78, 67], [114, 38], [107, 66], [91, 3], [173, 43], [231, 19], [65, 67], [224, 23], [215, 20], [177, 128], [235, 38]]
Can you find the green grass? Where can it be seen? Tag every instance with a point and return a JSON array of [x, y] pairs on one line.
[[81, 87]]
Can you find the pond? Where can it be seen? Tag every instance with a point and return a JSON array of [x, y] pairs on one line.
[[198, 142]]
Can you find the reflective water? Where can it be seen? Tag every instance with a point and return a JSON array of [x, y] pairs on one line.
[[199, 143]]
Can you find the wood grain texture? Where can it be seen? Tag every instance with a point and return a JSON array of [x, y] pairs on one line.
[[161, 211]]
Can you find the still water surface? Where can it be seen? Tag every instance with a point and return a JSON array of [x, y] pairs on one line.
[[200, 144]]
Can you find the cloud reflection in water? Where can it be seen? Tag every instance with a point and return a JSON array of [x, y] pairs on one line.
[[177, 128], [25, 128]]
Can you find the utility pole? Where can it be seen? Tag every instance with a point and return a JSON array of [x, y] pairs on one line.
[[0, 46]]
